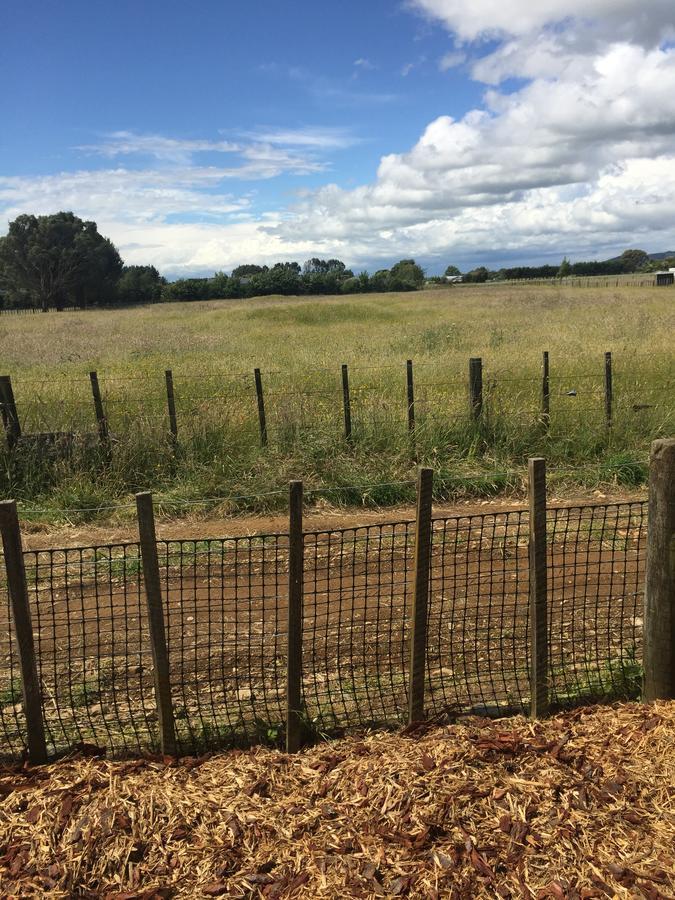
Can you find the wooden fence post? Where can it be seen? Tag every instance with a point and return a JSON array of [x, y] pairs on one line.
[[153, 596], [608, 389], [411, 396], [23, 628], [261, 407], [103, 434], [10, 415], [539, 694], [659, 609], [346, 403], [476, 386], [295, 592], [171, 404], [418, 628], [545, 393]]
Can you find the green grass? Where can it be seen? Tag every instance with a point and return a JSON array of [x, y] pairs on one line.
[[300, 344], [11, 693], [619, 679]]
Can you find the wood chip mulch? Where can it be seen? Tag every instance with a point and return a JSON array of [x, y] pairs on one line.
[[579, 806]]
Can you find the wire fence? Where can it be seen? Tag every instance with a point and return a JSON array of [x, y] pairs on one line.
[[225, 604], [62, 416]]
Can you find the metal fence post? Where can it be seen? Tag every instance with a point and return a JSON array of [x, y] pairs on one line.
[[346, 403], [295, 592], [659, 609], [608, 389], [261, 407], [101, 420], [10, 415], [171, 404], [476, 386], [539, 695], [545, 393], [153, 596], [410, 389], [418, 631], [18, 595]]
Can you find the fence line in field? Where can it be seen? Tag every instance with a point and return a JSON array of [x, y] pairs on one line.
[[186, 644], [481, 387]]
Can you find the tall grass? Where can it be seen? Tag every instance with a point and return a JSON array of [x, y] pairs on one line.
[[299, 344]]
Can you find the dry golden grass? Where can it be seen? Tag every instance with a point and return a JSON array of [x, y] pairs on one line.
[[509, 325], [300, 343], [580, 806]]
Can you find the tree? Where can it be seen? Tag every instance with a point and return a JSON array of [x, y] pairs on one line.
[[59, 258], [247, 270], [379, 281], [188, 289], [633, 260], [479, 275], [452, 270], [139, 284], [317, 266], [565, 268], [351, 286], [219, 285], [406, 275]]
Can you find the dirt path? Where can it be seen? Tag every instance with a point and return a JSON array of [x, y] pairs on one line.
[[321, 516]]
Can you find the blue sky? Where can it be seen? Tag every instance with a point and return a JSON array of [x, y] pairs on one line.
[[203, 135]]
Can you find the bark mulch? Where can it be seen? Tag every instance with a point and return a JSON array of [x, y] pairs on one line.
[[579, 806]]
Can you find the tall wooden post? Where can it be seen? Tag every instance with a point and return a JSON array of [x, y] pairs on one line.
[[476, 386], [539, 695], [608, 389], [171, 405], [410, 391], [10, 415], [102, 422], [261, 407], [23, 628], [346, 403], [659, 610], [545, 393], [418, 630], [295, 592], [153, 596]]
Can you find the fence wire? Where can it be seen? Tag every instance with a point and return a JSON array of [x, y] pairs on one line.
[[225, 609]]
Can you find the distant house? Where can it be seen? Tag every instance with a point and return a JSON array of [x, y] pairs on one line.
[[454, 279], [665, 278]]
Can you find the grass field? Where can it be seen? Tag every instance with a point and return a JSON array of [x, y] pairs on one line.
[[299, 344]]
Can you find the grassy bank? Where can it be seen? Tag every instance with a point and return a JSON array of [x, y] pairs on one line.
[[299, 345]]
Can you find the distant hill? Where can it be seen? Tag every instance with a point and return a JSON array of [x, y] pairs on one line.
[[667, 255]]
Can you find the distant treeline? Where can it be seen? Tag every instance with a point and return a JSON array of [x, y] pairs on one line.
[[60, 261], [317, 276], [629, 262]]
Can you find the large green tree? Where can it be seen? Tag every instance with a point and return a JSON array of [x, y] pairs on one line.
[[139, 284], [406, 275], [59, 259]]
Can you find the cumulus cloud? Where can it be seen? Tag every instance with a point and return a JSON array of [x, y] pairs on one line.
[[578, 158], [574, 152], [634, 20]]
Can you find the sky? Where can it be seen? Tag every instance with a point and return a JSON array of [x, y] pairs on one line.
[[203, 135]]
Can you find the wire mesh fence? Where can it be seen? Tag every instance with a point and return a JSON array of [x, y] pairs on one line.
[[225, 611]]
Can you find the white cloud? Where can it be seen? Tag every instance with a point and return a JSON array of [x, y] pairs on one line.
[[311, 137], [364, 64], [127, 143], [451, 60], [635, 20], [580, 157]]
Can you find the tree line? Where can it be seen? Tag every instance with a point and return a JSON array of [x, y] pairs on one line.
[[630, 261], [51, 262], [60, 260]]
